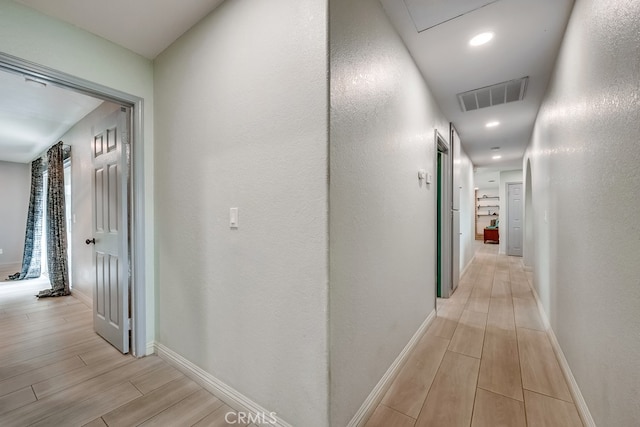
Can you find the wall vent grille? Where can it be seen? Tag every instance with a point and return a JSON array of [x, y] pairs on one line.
[[501, 93]]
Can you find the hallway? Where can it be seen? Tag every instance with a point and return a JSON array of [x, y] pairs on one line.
[[485, 361]]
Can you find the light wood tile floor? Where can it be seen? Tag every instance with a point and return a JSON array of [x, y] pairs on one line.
[[485, 361], [55, 371]]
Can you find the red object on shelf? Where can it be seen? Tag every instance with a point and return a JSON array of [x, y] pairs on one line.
[[492, 234]]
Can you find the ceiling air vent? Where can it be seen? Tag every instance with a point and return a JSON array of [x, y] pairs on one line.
[[504, 92]]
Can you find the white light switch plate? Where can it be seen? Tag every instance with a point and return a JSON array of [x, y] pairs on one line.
[[233, 217]]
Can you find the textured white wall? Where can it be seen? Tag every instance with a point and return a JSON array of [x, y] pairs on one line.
[[467, 210], [505, 178], [528, 242], [382, 222], [586, 180], [46, 41], [241, 121], [79, 137], [15, 187]]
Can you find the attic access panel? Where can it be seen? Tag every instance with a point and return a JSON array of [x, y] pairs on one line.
[[429, 13], [501, 93]]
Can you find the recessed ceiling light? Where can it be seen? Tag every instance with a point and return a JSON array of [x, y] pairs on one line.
[[495, 148], [496, 157], [481, 39], [492, 124]]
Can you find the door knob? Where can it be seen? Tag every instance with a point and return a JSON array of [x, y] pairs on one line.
[[90, 241]]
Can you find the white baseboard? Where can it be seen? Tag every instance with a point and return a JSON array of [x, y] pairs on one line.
[[86, 300], [576, 394], [222, 391], [376, 395], [151, 348], [18, 264], [466, 268]]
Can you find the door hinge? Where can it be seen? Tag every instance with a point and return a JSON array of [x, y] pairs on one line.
[[129, 323]]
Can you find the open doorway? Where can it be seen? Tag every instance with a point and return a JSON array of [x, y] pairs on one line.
[[443, 217], [129, 174]]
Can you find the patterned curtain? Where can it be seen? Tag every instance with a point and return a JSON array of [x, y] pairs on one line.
[[56, 226], [32, 239]]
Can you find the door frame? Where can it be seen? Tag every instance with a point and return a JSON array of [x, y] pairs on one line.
[[442, 146], [137, 249], [456, 147]]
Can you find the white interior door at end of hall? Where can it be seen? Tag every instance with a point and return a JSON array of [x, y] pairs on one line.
[[514, 219], [110, 228]]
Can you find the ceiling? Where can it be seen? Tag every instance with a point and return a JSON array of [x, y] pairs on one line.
[[146, 27], [33, 116], [527, 37], [487, 178]]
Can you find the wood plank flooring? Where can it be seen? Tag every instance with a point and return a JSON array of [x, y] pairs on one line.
[[55, 371], [485, 361]]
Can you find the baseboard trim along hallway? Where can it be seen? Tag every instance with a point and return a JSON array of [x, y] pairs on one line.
[[578, 399], [151, 348], [222, 391], [376, 395], [466, 268], [486, 360], [82, 297]]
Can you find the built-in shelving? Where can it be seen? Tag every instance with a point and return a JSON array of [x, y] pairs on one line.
[[487, 209]]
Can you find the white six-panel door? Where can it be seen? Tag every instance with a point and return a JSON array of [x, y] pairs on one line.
[[110, 230]]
